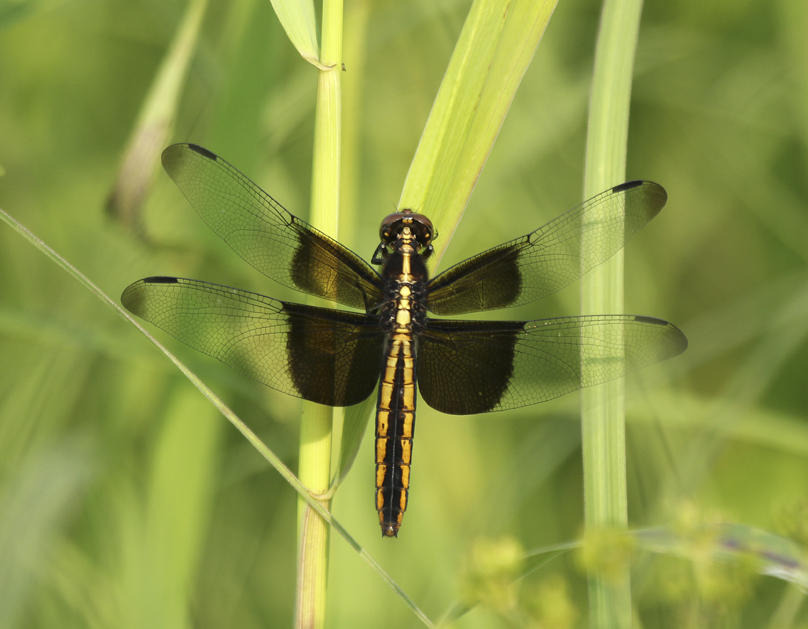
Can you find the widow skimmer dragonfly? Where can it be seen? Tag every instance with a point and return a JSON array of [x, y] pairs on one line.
[[336, 358]]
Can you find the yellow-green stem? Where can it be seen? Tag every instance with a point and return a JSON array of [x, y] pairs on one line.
[[602, 407], [316, 425]]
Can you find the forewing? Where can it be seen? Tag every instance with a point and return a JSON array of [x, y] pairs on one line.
[[550, 258], [318, 354], [260, 230], [469, 367]]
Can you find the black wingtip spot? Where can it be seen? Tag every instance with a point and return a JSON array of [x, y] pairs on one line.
[[202, 151], [159, 279], [628, 185], [651, 320]]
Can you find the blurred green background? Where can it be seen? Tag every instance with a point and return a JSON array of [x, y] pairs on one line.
[[127, 501]]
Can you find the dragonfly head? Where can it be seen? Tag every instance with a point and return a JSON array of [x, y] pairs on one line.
[[421, 228]]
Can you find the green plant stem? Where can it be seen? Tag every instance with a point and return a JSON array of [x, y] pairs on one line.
[[602, 407], [317, 421]]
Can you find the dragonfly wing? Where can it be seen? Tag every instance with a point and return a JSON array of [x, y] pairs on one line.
[[469, 367], [550, 258], [274, 241], [322, 355]]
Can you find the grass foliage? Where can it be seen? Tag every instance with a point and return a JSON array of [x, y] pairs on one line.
[[127, 501]]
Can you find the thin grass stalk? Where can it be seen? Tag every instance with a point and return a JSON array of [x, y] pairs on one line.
[[603, 407], [317, 421]]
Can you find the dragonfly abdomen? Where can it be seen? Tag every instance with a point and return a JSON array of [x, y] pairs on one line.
[[395, 427]]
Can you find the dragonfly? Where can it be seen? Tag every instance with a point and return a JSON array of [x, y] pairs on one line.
[[338, 358]]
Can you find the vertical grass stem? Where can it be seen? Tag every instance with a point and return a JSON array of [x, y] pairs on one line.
[[602, 407], [316, 426]]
